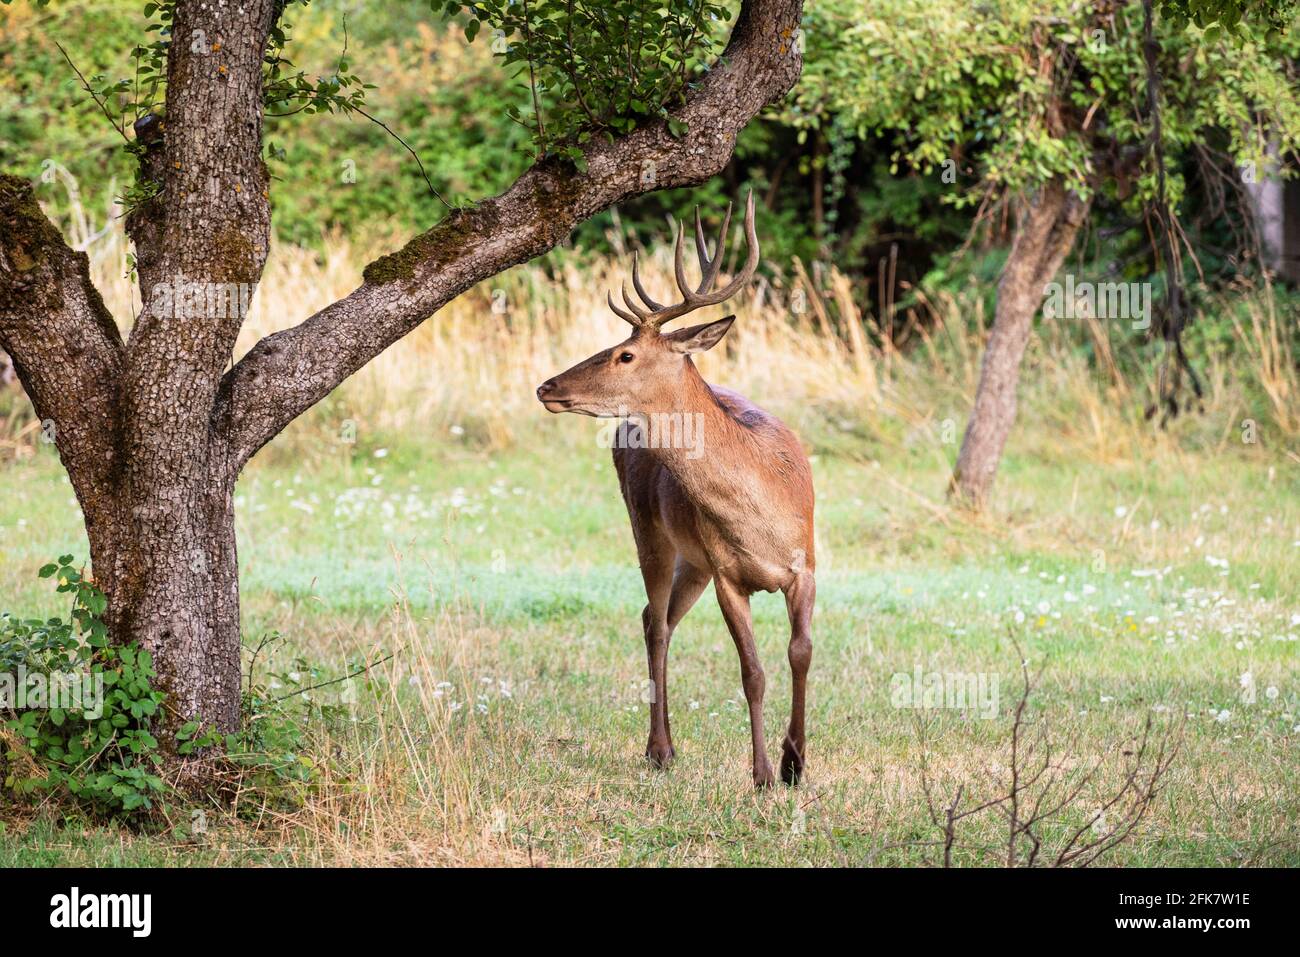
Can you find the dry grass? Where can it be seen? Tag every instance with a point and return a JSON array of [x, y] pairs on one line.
[[801, 346]]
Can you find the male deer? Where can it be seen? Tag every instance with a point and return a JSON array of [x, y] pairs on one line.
[[738, 511]]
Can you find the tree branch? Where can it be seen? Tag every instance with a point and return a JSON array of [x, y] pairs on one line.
[[286, 373], [65, 347]]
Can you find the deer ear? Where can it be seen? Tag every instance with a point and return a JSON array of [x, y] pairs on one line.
[[699, 338]]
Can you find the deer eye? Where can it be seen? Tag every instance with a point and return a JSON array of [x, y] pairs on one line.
[[626, 357]]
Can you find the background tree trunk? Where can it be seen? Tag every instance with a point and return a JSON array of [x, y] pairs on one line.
[[1045, 231], [1266, 192]]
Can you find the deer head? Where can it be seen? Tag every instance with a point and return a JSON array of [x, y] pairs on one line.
[[644, 372]]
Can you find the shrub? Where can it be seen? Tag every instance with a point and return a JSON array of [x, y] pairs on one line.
[[94, 745]]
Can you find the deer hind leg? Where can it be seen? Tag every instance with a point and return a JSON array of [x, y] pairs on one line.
[[799, 598], [689, 583], [735, 609]]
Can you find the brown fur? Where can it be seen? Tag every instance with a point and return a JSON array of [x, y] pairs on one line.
[[736, 510]]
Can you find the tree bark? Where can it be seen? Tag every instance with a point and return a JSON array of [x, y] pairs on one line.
[[154, 431], [1045, 231], [1267, 193]]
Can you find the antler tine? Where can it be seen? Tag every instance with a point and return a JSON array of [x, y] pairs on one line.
[[751, 260], [626, 316], [640, 289], [627, 301], [701, 246], [709, 268], [679, 269]]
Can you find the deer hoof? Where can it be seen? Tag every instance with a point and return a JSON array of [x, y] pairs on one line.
[[763, 777], [791, 765], [660, 755]]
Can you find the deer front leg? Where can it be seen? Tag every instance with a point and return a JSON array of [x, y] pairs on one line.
[[799, 598], [659, 748], [657, 561], [735, 609], [659, 620]]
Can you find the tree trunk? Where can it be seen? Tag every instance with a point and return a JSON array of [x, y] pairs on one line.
[[1266, 193], [1045, 231], [1273, 206], [170, 572]]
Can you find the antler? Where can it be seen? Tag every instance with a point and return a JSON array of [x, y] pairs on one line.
[[651, 315]]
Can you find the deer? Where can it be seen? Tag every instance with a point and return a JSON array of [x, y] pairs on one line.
[[734, 509]]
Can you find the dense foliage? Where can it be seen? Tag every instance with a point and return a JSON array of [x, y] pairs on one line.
[[1012, 93], [596, 68], [909, 121], [981, 101], [95, 747]]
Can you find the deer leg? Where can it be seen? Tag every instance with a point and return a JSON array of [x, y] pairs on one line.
[[657, 570], [687, 584], [735, 609], [800, 595]]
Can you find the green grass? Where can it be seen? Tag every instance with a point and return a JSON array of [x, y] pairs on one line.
[[512, 578]]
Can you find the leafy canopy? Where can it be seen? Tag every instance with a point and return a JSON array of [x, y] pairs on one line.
[[1021, 91], [596, 66]]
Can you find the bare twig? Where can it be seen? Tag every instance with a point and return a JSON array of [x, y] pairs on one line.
[[532, 84], [1040, 791], [85, 85], [415, 155], [325, 684]]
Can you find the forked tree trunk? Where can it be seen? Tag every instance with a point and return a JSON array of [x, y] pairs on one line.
[[155, 430], [1045, 230]]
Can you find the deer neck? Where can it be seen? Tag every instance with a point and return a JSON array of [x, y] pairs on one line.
[[695, 438]]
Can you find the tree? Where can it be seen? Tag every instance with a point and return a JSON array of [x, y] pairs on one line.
[[155, 429], [1046, 224], [1046, 103]]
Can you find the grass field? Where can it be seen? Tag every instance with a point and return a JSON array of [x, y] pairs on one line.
[[431, 512], [508, 725]]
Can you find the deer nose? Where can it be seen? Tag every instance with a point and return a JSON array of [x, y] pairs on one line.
[[546, 388]]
